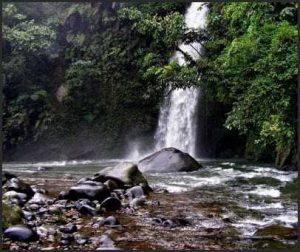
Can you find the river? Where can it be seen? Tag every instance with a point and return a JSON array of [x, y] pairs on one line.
[[224, 195]]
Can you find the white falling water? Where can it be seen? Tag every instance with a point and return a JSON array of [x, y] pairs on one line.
[[177, 123]]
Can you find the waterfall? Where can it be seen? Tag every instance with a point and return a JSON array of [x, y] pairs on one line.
[[177, 124]]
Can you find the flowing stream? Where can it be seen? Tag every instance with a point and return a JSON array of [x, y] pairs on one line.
[[177, 124], [250, 195]]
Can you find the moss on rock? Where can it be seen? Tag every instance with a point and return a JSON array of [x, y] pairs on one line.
[[11, 215]]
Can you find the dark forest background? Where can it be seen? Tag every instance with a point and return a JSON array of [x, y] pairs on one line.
[[81, 80]]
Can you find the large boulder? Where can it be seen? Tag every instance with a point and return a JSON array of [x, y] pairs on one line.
[[123, 174], [168, 160]]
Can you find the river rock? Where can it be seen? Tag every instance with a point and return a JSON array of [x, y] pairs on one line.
[[29, 216], [111, 185], [90, 190], [80, 239], [110, 221], [68, 229], [7, 176], [111, 204], [125, 173], [136, 202], [15, 184], [21, 233], [22, 197], [33, 207], [168, 160], [86, 209], [134, 192], [39, 199], [87, 202], [106, 241], [276, 230]]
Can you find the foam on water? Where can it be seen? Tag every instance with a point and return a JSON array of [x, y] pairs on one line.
[[277, 205], [265, 191]]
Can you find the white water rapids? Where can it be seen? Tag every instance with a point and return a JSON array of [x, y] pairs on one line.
[[177, 125]]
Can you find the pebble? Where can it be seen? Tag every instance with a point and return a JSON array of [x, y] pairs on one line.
[[33, 207]]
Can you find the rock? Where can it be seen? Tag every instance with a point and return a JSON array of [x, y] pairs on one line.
[[43, 211], [110, 221], [118, 193], [28, 215], [134, 192], [63, 195], [86, 209], [39, 199], [42, 231], [136, 202], [21, 233], [54, 209], [85, 202], [276, 230], [174, 222], [83, 180], [106, 241], [81, 240], [48, 248], [168, 160], [15, 184], [89, 190], [33, 207], [111, 204], [66, 238], [111, 185], [7, 176], [123, 174], [68, 229], [21, 197], [11, 215]]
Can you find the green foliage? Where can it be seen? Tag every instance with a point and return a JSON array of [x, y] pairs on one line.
[[167, 30], [253, 66], [26, 102], [115, 67], [25, 35]]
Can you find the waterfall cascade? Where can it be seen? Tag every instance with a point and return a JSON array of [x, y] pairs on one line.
[[177, 125]]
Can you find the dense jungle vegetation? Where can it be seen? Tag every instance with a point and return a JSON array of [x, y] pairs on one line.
[[69, 67]]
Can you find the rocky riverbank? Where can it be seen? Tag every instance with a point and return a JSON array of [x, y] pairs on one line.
[[67, 213]]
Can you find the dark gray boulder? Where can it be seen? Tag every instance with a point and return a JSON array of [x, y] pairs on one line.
[[7, 176], [111, 204], [17, 185], [21, 233], [89, 190], [168, 160], [86, 210]]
